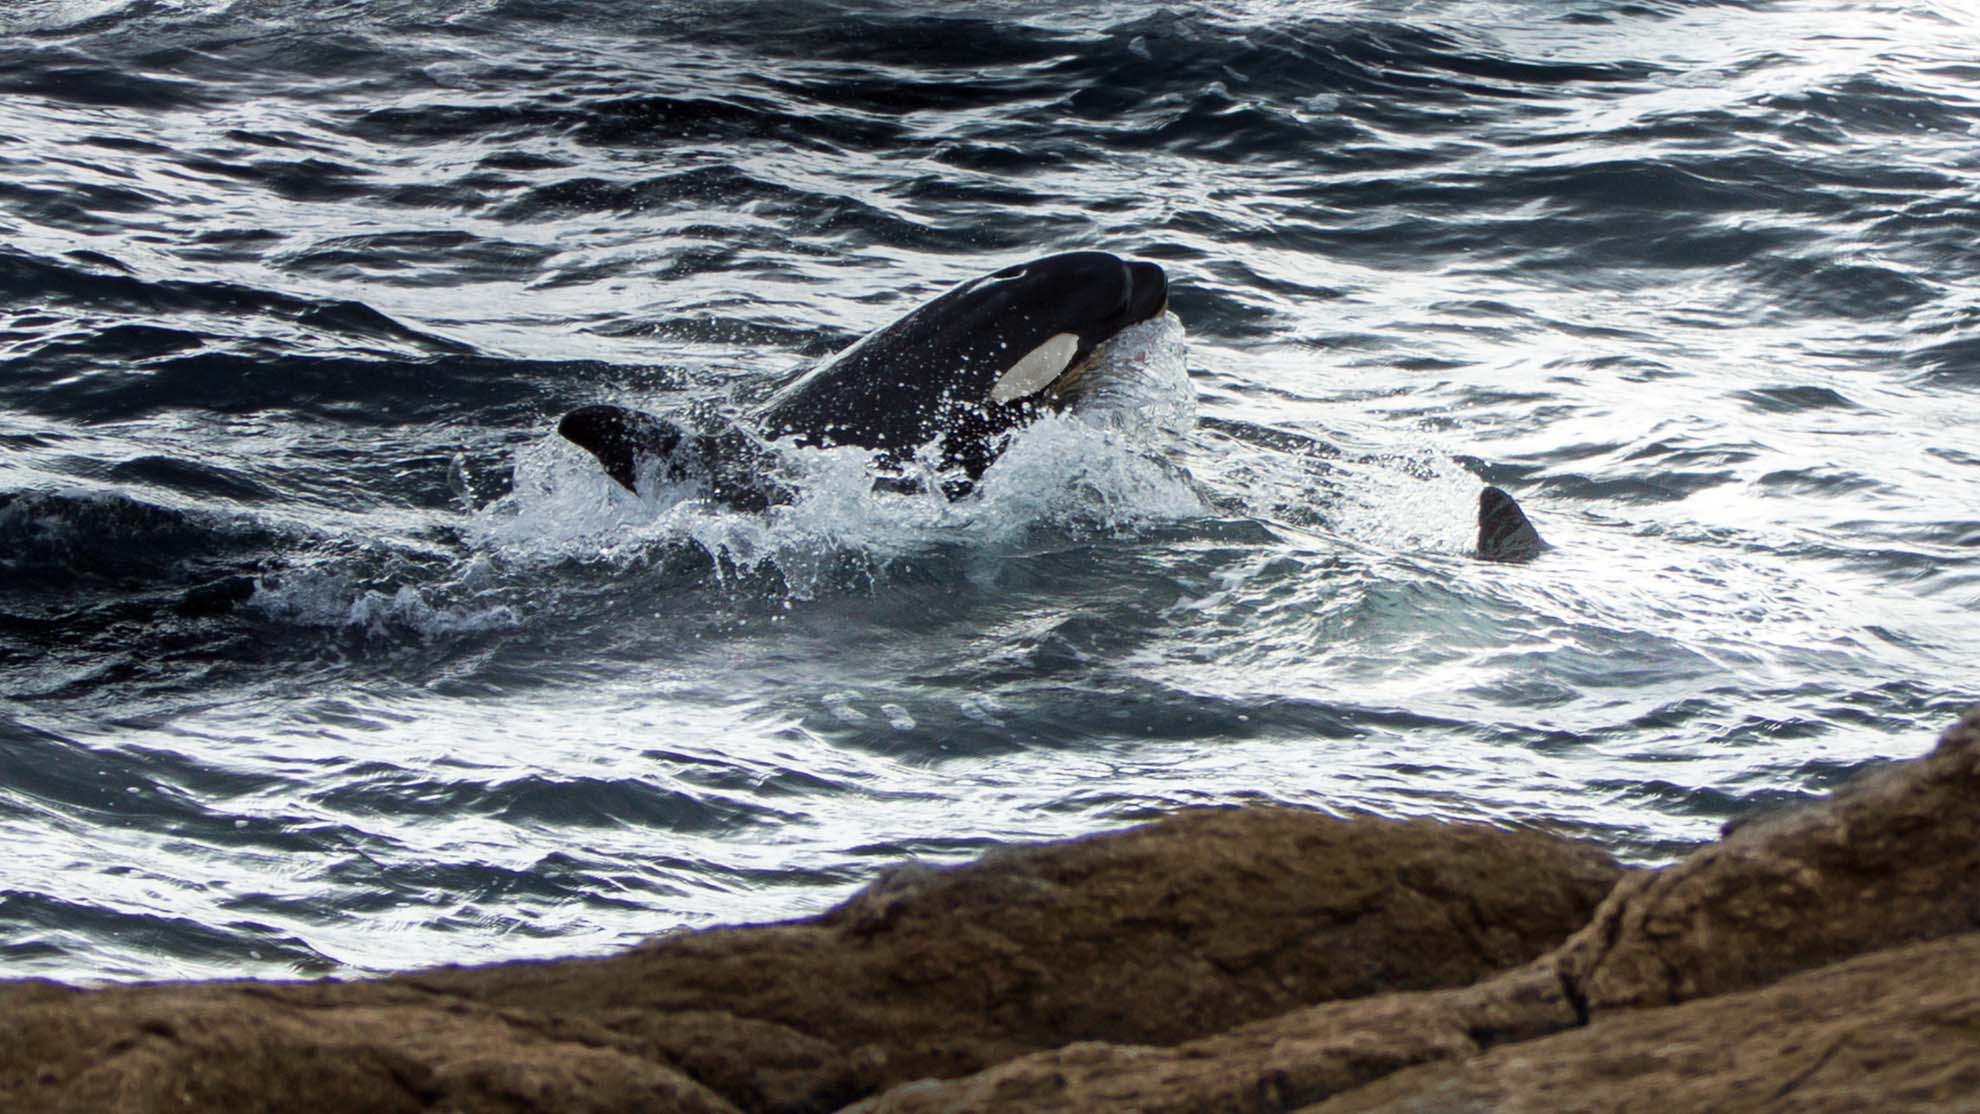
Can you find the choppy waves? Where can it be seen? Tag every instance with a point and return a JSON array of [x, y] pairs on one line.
[[318, 651]]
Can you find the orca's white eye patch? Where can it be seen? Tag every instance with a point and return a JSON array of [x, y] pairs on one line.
[[1037, 369]]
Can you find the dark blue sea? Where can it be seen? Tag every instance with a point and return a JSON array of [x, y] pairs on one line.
[[319, 652]]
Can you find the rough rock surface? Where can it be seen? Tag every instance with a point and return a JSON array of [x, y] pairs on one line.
[[1894, 858], [1894, 1031], [1173, 931], [1246, 960], [263, 1049], [1281, 1064]]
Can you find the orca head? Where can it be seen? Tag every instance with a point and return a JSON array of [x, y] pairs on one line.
[[974, 363], [1055, 314]]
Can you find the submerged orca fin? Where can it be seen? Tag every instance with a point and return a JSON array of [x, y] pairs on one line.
[[621, 439], [731, 464], [1504, 532]]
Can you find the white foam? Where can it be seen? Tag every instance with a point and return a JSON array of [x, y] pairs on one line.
[[1140, 386], [1351, 486], [1103, 465], [1413, 499], [55, 15], [326, 598]]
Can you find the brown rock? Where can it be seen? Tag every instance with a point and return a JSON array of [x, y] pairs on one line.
[[1892, 1032], [1892, 858], [248, 1049], [1176, 930], [1173, 968], [1275, 1065]]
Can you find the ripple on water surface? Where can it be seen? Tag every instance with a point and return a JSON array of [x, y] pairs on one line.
[[318, 649]]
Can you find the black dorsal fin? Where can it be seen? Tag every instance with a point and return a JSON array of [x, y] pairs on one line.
[[1504, 533], [620, 438], [729, 463]]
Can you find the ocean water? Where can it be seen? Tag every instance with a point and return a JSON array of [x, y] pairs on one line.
[[320, 653]]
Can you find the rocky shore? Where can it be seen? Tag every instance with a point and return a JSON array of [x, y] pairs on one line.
[[1252, 959]]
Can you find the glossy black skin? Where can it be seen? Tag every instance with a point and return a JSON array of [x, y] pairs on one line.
[[930, 374], [729, 461], [621, 439], [927, 376], [1504, 531]]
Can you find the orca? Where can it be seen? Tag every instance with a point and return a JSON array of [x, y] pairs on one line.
[[961, 373], [1504, 531]]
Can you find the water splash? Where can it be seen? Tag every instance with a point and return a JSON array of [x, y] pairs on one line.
[[1104, 465], [333, 598]]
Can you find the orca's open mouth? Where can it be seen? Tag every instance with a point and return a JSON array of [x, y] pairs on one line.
[[1060, 392], [1145, 299], [1103, 370]]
